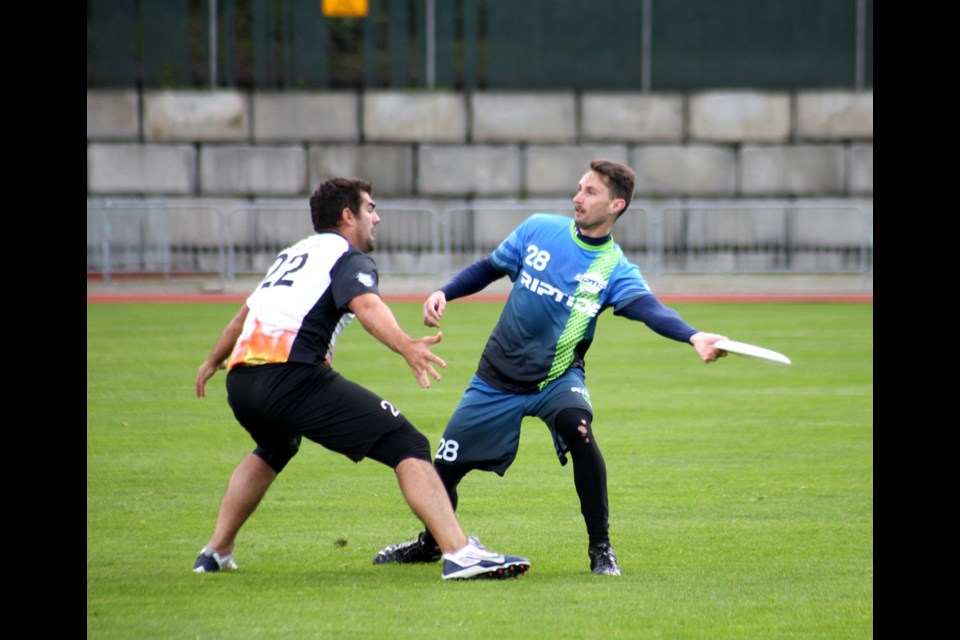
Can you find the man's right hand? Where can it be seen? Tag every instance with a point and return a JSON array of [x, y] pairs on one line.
[[421, 360], [704, 344], [433, 309]]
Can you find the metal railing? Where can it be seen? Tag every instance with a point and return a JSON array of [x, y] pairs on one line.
[[156, 237], [164, 238], [407, 238], [769, 236]]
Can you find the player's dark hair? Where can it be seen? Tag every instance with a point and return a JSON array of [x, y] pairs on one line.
[[618, 177], [332, 197]]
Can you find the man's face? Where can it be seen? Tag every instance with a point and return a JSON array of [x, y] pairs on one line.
[[367, 219], [593, 206]]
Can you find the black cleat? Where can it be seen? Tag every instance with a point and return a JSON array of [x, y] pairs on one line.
[[412, 552], [603, 560]]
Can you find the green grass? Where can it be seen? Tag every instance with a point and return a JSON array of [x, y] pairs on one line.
[[741, 493]]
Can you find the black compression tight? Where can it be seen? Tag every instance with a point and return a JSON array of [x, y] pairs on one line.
[[451, 477], [589, 471]]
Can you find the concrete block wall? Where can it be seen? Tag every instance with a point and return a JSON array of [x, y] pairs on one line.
[[441, 145]]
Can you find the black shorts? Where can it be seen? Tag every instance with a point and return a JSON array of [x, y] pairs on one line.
[[280, 403]]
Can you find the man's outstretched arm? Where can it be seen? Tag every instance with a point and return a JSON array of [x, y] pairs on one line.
[[379, 321], [668, 323], [471, 279]]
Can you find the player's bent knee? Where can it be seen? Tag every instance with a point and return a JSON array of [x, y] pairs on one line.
[[573, 422], [400, 444], [277, 458]]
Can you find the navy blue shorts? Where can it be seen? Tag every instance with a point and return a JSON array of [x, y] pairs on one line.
[[484, 430], [278, 404]]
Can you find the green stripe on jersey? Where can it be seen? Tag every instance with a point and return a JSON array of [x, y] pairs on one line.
[[600, 269]]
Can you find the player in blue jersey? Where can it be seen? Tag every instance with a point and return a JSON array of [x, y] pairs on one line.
[[565, 273], [278, 351]]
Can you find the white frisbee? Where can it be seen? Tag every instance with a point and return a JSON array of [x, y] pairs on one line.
[[752, 351]]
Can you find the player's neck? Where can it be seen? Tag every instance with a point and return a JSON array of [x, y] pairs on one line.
[[596, 236]]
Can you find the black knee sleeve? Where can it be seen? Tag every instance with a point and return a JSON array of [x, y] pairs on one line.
[[574, 426]]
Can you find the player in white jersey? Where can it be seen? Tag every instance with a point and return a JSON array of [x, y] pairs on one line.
[[278, 351], [565, 273]]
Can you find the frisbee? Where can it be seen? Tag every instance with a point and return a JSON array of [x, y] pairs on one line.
[[752, 351]]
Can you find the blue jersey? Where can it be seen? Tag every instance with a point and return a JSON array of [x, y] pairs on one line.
[[561, 284]]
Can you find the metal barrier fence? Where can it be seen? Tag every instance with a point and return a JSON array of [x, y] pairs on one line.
[[407, 238], [669, 237], [173, 238], [711, 236], [156, 237]]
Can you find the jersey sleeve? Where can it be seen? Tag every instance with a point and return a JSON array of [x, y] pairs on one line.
[[508, 257], [627, 285], [471, 279], [354, 274], [663, 320]]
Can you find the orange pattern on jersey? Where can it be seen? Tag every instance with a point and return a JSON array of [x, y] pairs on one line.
[[262, 347]]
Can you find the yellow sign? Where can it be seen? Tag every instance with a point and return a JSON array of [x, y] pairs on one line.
[[345, 8]]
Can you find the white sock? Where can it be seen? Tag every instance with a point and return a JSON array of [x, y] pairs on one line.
[[458, 554], [221, 559]]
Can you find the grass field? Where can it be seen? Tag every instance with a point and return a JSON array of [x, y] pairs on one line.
[[741, 493]]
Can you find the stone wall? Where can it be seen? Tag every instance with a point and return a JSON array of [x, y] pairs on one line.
[[254, 159], [514, 145]]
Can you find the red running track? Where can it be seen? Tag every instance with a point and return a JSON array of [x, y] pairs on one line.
[[219, 298]]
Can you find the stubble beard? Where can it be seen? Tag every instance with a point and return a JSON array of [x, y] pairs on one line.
[[584, 225]]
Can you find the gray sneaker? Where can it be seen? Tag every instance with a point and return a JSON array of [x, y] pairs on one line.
[[603, 560], [412, 552], [473, 562]]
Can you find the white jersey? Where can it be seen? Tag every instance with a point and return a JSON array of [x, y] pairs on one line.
[[300, 308]]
